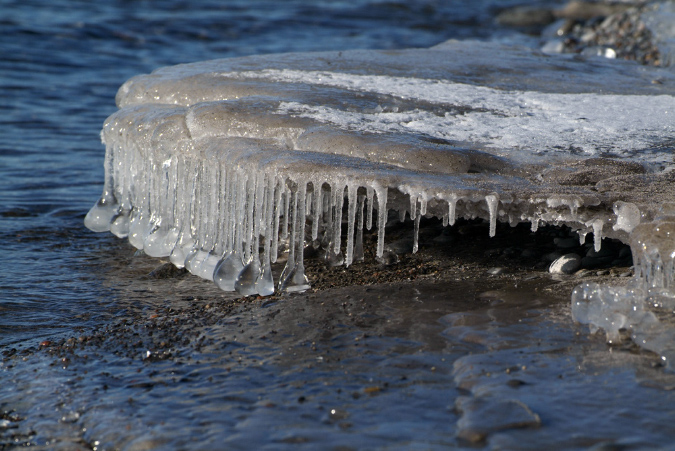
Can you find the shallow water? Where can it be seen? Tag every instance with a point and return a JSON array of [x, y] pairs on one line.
[[62, 64]]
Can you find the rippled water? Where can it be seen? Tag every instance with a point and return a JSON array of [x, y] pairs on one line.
[[139, 372]]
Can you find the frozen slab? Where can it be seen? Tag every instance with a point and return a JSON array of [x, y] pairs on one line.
[[221, 165]]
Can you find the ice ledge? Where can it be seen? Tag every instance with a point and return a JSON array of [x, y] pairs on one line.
[[221, 164]]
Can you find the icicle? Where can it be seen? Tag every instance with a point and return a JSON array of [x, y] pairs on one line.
[[300, 280], [216, 207], [358, 245], [413, 207], [293, 278], [198, 254], [327, 238], [119, 224], [534, 224], [101, 214], [230, 265], [351, 219], [452, 206], [287, 199], [423, 206], [173, 216], [317, 209], [416, 234], [582, 237], [265, 283], [338, 202], [401, 214], [184, 243], [251, 189], [597, 225], [239, 207], [331, 241], [155, 242], [228, 224], [381, 219], [246, 282], [492, 203], [275, 228], [286, 274], [370, 192]]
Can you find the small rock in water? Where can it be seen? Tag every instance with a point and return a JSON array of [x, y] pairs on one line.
[[567, 264], [483, 416]]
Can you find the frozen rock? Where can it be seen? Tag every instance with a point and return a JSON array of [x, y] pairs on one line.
[[567, 264], [247, 156]]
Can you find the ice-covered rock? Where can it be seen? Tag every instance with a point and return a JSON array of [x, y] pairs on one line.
[[221, 164]]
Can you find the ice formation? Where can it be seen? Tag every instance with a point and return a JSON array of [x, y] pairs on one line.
[[224, 166]]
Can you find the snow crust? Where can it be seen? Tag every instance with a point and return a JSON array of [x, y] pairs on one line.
[[225, 166]]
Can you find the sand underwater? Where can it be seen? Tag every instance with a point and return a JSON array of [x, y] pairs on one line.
[[469, 342]]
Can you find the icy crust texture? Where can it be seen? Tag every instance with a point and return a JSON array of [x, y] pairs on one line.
[[226, 166], [645, 308]]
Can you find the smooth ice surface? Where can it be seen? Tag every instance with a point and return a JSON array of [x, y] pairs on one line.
[[246, 156]]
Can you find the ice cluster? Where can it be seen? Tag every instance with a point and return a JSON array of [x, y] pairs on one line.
[[644, 309], [226, 166]]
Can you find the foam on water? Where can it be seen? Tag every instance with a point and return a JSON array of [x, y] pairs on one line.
[[221, 164]]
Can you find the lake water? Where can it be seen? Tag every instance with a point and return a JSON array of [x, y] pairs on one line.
[[224, 386]]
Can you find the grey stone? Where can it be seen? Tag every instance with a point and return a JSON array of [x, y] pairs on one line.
[[567, 264]]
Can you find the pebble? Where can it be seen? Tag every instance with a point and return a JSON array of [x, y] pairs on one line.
[[567, 264], [597, 29]]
